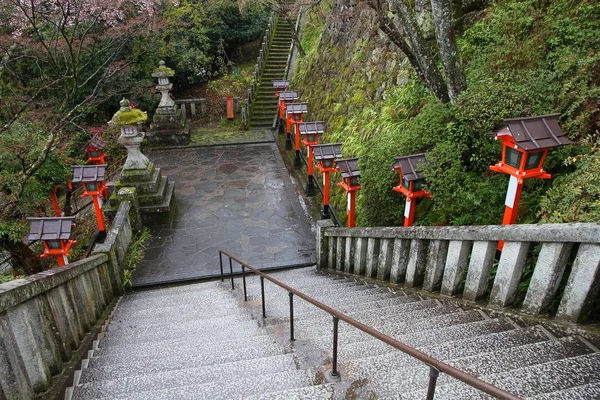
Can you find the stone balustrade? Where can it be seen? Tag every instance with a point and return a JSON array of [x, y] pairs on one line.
[[197, 107], [49, 320], [460, 261]]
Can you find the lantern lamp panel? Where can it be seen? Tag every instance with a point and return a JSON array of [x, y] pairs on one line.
[[405, 183], [418, 185], [94, 153], [513, 157], [53, 244], [91, 186], [163, 81], [328, 162], [533, 160], [354, 181]]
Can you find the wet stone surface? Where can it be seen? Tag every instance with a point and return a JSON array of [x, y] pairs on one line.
[[234, 198]]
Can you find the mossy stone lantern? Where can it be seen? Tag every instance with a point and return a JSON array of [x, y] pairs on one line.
[[351, 184], [95, 150], [412, 183], [325, 155], [310, 131], [92, 179], [525, 145], [55, 233], [286, 97], [128, 119], [162, 74], [295, 115]]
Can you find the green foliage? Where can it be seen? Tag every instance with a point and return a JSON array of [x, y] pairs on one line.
[[135, 254]]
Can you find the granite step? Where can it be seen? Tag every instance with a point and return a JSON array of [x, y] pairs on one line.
[[217, 390], [121, 324], [318, 392], [171, 379], [109, 367], [583, 392]]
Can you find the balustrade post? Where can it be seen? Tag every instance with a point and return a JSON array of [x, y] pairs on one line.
[[433, 375], [334, 372], [221, 265], [231, 273], [291, 316], [262, 295], [244, 282]]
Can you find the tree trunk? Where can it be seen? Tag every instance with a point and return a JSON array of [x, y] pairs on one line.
[[422, 51], [23, 257], [446, 40]]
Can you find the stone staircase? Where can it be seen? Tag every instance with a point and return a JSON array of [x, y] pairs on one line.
[[203, 341], [264, 107]]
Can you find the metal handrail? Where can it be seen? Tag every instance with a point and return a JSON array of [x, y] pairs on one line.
[[435, 366]]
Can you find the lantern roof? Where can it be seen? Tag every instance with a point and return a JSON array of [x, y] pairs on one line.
[[88, 173], [348, 167], [279, 84], [162, 71], [51, 228], [297, 108], [311, 128], [127, 115], [288, 95], [411, 166], [96, 141], [327, 151], [534, 133]]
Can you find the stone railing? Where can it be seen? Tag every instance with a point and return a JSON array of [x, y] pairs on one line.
[[293, 49], [49, 320], [460, 261], [197, 107], [260, 64]]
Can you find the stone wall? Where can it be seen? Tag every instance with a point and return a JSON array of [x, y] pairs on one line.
[[459, 261], [48, 320]]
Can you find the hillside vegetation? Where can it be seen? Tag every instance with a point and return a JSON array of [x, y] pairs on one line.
[[521, 58]]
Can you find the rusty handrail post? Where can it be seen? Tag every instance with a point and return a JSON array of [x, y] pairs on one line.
[[291, 316], [433, 375], [262, 295], [221, 265], [244, 281], [231, 273], [334, 371]]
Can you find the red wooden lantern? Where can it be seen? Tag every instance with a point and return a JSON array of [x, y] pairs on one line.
[[280, 86], [350, 183], [325, 155], [92, 179], [295, 114], [285, 97], [55, 232], [310, 131], [95, 150], [412, 183], [525, 145]]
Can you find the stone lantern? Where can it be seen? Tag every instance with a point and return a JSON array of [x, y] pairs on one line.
[[412, 183], [285, 98], [169, 125], [325, 155], [295, 114], [55, 233], [350, 183], [310, 132], [154, 192]]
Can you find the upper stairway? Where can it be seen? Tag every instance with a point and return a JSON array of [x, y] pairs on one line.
[[203, 341], [265, 104]]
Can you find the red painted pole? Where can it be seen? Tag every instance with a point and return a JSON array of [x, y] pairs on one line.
[[409, 212], [55, 204], [351, 209], [511, 205], [310, 161], [62, 260], [99, 214]]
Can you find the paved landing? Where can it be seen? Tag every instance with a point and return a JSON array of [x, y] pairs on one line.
[[236, 198]]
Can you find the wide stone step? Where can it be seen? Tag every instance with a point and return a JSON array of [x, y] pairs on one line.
[[109, 367], [220, 332], [535, 380], [589, 391], [184, 343], [209, 310], [319, 392], [221, 389], [172, 379], [201, 298]]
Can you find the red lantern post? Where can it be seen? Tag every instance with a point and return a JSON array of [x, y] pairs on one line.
[[350, 176], [310, 132], [295, 115], [412, 183], [55, 203], [285, 98], [55, 233], [325, 155], [92, 178]]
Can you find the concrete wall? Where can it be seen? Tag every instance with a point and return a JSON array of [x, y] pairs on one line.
[[48, 320], [458, 261]]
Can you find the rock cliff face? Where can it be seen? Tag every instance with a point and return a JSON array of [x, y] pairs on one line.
[[353, 63]]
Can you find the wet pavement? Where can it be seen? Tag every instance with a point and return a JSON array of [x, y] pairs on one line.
[[235, 198]]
